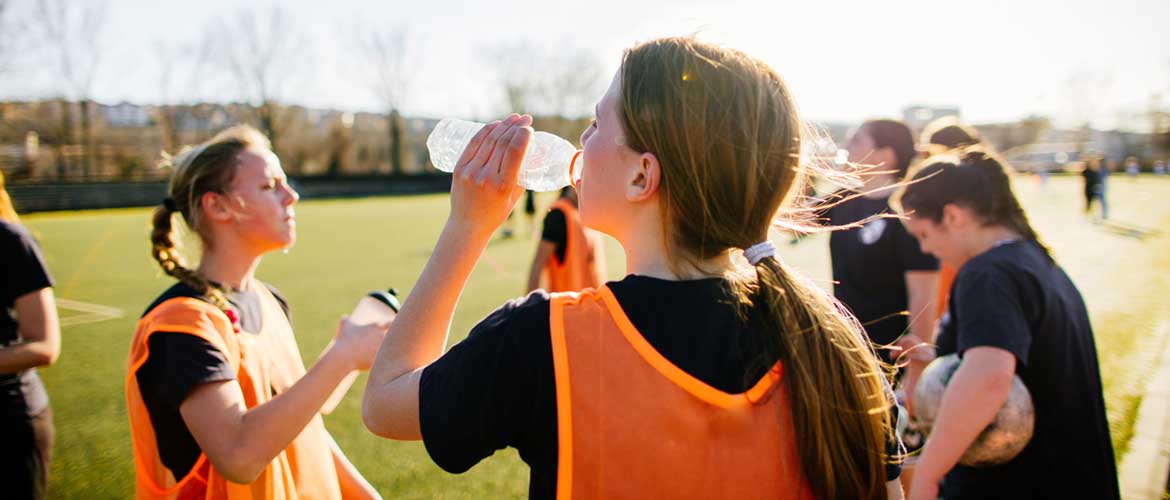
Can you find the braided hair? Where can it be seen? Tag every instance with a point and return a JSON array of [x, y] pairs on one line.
[[207, 168]]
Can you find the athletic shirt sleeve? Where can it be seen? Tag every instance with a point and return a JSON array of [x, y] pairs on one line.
[[23, 265], [556, 231], [492, 390], [177, 364], [989, 311]]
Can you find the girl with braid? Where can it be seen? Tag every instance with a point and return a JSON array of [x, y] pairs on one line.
[[1012, 311], [220, 403], [711, 370]]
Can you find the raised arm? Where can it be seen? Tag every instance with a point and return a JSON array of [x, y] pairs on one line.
[[544, 251], [483, 190], [921, 290]]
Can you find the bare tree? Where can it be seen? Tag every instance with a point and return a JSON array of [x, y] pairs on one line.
[[180, 78], [1084, 94], [573, 76], [73, 36], [571, 84], [387, 65], [559, 83], [265, 55], [11, 27], [518, 67]]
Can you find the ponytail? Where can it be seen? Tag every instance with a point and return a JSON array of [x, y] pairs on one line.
[[165, 251], [1017, 220], [974, 179], [206, 168], [839, 405], [732, 150]]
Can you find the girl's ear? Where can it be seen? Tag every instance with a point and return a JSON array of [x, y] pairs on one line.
[[954, 216], [215, 207], [644, 178]]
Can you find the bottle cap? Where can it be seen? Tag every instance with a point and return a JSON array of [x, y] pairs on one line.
[[389, 297]]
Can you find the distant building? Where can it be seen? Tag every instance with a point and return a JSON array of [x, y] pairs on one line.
[[125, 115], [917, 117]]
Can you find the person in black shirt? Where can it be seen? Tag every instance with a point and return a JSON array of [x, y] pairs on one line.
[[879, 272], [1012, 311], [1094, 176], [29, 337], [679, 181]]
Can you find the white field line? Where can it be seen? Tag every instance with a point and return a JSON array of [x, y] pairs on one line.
[[93, 312]]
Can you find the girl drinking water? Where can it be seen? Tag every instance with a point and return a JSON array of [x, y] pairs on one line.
[[701, 374]]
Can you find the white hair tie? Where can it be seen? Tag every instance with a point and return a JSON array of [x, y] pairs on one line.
[[759, 251]]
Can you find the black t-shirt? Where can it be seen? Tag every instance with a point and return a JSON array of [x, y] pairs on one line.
[[1012, 297], [496, 388], [556, 231], [178, 363], [870, 265], [24, 272]]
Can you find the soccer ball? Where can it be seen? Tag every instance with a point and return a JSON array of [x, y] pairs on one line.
[[1002, 440]]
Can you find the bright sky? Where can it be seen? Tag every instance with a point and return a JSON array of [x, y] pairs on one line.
[[844, 60]]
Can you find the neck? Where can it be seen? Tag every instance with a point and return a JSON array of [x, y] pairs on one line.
[[985, 238], [646, 255], [230, 267], [878, 186]]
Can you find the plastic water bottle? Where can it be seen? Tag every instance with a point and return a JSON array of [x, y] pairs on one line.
[[547, 166]]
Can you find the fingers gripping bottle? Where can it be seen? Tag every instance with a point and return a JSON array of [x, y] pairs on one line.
[[551, 163], [376, 307]]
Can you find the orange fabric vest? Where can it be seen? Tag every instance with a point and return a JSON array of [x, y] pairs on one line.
[[630, 424], [264, 362], [946, 276], [579, 269]]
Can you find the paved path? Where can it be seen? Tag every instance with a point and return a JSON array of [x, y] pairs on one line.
[[1144, 469]]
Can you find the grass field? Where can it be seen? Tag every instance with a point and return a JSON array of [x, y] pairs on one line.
[[347, 247]]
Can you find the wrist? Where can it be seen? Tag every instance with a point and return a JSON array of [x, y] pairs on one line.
[[928, 470], [335, 361], [465, 231]]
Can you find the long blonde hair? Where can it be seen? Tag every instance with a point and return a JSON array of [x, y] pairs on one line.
[[206, 168], [7, 211], [728, 139]]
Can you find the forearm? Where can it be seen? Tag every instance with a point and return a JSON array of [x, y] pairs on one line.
[[894, 490], [922, 318], [419, 334], [921, 289], [39, 330], [973, 397], [534, 276], [241, 447], [24, 355]]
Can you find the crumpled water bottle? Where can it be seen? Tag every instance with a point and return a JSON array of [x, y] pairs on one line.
[[550, 164]]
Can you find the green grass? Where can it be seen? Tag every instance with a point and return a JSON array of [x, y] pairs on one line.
[[347, 247]]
